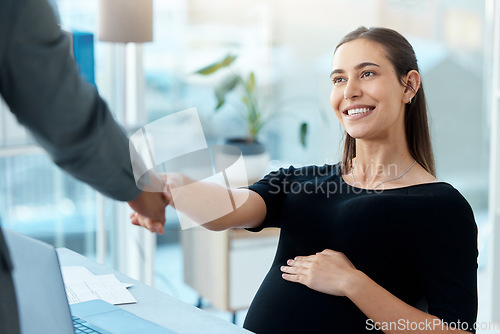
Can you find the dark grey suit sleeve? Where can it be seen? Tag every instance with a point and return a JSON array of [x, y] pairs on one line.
[[40, 83], [9, 318]]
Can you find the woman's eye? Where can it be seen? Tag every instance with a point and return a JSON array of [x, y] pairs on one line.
[[367, 74], [337, 80]]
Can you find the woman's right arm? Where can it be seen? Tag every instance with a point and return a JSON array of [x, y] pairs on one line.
[[249, 214], [209, 204]]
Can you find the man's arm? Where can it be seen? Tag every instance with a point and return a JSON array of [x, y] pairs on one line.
[[39, 81]]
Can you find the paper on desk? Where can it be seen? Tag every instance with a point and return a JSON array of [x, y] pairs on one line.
[[79, 273], [81, 285]]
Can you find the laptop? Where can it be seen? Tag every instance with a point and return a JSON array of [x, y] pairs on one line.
[[42, 302]]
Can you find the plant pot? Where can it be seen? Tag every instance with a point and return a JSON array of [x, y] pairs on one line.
[[255, 157]]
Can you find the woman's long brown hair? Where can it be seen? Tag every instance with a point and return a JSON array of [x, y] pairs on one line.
[[401, 55]]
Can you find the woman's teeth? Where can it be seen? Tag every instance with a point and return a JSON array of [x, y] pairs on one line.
[[357, 111]]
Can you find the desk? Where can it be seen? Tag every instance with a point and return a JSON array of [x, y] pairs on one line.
[[154, 305]]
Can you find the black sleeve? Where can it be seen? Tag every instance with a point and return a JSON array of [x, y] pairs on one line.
[[273, 189], [443, 250]]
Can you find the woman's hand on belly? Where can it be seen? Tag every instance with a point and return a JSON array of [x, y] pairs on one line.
[[329, 272]]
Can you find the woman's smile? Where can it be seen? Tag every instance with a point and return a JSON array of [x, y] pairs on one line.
[[356, 112]]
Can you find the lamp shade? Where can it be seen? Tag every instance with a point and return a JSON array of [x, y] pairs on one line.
[[126, 21]]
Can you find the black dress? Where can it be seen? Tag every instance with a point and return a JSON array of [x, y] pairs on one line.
[[417, 242]]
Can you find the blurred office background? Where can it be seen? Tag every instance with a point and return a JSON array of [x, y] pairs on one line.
[[289, 44]]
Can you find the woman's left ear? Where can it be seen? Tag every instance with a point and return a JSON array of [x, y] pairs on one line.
[[412, 81]]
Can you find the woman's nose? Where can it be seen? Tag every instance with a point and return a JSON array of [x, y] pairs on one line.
[[352, 90]]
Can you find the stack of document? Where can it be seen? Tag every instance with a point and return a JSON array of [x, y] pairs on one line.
[[81, 285]]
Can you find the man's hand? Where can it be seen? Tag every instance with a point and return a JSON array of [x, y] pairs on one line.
[[151, 206]]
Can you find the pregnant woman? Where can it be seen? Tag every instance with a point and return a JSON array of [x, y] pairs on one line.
[[374, 243]]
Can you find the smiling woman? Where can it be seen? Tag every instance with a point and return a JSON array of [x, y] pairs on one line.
[[374, 239], [390, 237], [393, 68]]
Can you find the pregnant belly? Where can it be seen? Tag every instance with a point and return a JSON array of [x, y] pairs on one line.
[[285, 307]]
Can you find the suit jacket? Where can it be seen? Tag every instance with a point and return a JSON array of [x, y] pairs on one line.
[[39, 82]]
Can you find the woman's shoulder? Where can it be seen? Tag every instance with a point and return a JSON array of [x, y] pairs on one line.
[[438, 199], [435, 191]]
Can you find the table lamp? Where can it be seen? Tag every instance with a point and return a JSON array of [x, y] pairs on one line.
[[123, 22]]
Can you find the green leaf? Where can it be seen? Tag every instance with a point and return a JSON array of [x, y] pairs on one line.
[[303, 134], [219, 104], [228, 60], [245, 100], [216, 66], [223, 88], [251, 82]]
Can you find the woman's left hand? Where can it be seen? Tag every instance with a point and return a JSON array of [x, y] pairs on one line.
[[328, 272]]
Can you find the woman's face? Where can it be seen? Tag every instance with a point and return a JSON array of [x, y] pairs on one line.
[[367, 96]]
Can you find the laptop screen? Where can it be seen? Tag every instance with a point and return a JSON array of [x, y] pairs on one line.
[[41, 297]]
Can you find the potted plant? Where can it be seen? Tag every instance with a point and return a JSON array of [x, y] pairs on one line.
[[254, 152], [255, 116]]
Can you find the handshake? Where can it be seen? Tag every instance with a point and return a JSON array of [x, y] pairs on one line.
[[149, 211], [198, 203], [149, 207]]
